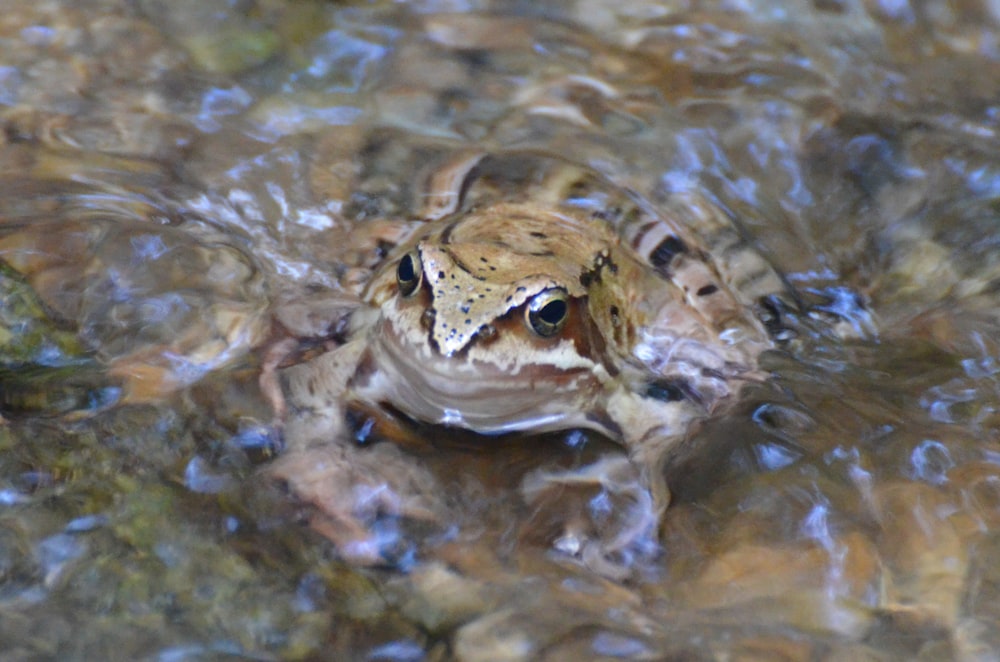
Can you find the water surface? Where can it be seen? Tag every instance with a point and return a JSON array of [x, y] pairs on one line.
[[169, 170]]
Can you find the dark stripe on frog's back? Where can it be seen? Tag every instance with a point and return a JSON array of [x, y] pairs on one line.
[[694, 229], [689, 227]]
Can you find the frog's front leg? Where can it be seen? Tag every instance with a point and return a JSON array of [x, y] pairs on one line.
[[654, 424], [297, 325], [317, 392], [604, 513], [354, 488], [611, 510], [360, 495]]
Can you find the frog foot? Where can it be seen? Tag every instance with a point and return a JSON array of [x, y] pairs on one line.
[[604, 514], [359, 494]]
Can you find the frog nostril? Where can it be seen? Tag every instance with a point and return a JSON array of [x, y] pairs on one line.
[[486, 332], [427, 319]]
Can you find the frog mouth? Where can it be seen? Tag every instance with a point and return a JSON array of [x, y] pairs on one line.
[[460, 392]]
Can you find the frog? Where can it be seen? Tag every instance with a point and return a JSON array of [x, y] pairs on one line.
[[533, 295]]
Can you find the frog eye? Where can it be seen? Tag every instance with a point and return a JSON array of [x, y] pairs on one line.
[[547, 312], [408, 275]]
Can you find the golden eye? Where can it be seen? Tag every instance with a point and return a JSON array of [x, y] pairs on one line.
[[408, 274], [547, 312]]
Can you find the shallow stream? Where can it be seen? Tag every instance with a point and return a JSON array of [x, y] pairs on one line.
[[170, 169]]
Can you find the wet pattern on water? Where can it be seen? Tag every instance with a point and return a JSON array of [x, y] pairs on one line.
[[171, 170]]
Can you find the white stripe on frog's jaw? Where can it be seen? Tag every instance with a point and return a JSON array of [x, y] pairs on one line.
[[501, 386]]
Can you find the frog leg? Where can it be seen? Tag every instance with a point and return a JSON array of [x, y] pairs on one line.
[[300, 327], [351, 486], [609, 512], [606, 515], [318, 388]]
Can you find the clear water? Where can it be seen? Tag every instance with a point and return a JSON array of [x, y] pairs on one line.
[[169, 169]]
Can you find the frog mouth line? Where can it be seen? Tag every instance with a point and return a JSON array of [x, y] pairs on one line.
[[486, 399]]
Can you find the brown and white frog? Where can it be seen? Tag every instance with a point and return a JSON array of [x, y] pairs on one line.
[[569, 304]]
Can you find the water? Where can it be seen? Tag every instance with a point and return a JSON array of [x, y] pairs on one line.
[[168, 171]]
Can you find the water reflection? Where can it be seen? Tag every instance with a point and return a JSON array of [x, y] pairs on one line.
[[168, 171], [931, 462]]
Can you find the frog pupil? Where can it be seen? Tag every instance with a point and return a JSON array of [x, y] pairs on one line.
[[407, 275], [552, 312], [547, 313], [406, 269]]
